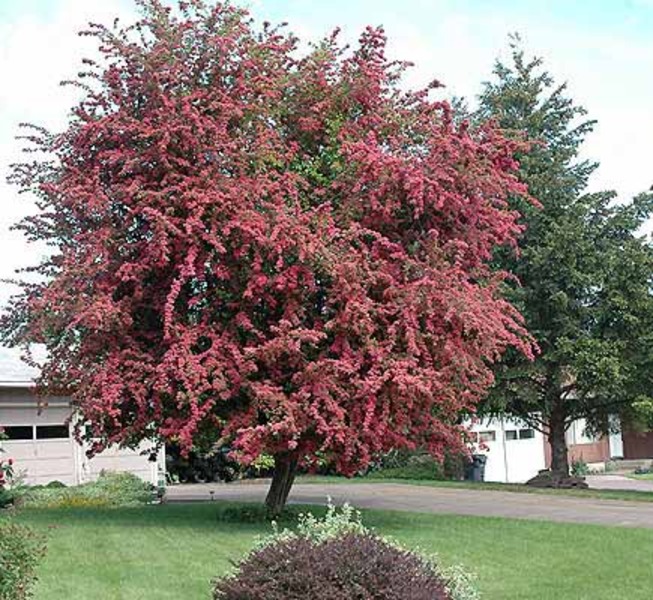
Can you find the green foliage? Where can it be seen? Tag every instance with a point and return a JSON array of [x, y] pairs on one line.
[[583, 274], [579, 468], [255, 513], [642, 413], [206, 462], [336, 522], [110, 489], [6, 498], [611, 465], [424, 471], [9, 484], [264, 463], [55, 485], [418, 466], [20, 552]]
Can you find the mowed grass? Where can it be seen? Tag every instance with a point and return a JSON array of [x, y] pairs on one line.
[[173, 551]]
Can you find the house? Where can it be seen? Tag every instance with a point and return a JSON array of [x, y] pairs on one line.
[[40, 439], [516, 452]]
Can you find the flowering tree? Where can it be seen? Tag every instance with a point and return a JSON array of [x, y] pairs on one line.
[[286, 254]]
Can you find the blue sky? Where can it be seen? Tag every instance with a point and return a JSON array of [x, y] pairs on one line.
[[603, 48]]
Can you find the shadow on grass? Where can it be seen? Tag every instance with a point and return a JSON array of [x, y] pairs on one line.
[[242, 516]]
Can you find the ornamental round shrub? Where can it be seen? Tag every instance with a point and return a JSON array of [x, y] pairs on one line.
[[354, 566], [20, 552], [339, 559]]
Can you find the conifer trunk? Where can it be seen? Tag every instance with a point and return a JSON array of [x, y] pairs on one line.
[[558, 443]]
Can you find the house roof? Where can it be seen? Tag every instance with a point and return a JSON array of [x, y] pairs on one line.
[[15, 372]]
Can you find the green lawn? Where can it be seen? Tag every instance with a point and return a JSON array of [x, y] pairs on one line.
[[642, 476], [630, 495], [172, 551]]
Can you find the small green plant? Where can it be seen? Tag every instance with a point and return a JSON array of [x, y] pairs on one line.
[[20, 552], [7, 494], [9, 483], [55, 485], [579, 468], [611, 465], [263, 464], [643, 470]]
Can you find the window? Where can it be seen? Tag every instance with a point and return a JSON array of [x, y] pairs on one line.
[[52, 432], [526, 434], [511, 435], [577, 434], [487, 436], [19, 432]]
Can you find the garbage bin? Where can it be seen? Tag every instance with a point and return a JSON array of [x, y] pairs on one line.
[[475, 469]]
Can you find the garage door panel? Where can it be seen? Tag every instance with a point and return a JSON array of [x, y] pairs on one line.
[[19, 450], [40, 460], [51, 467], [33, 416], [58, 449], [42, 470]]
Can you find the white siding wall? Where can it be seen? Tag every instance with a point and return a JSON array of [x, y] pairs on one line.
[[122, 459]]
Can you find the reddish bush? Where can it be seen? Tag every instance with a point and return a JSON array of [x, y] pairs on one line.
[[357, 565]]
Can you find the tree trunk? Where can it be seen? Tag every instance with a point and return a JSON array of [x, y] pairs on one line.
[[285, 468], [558, 443]]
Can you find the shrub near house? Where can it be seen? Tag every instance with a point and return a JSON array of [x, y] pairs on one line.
[[20, 552], [6, 477], [20, 548], [111, 490], [6, 474]]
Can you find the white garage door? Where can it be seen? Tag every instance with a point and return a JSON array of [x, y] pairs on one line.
[[515, 452], [40, 444]]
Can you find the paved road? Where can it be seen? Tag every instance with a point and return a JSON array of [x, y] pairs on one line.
[[438, 500], [619, 482]]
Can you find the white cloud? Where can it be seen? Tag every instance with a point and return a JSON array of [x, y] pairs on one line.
[[35, 55], [610, 76]]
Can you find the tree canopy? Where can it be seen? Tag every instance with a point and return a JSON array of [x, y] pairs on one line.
[[583, 271], [288, 254]]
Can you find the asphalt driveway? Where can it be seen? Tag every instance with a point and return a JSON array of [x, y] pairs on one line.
[[393, 496], [619, 482]]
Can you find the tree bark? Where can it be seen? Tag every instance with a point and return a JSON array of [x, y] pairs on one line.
[[558, 443], [285, 469]]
